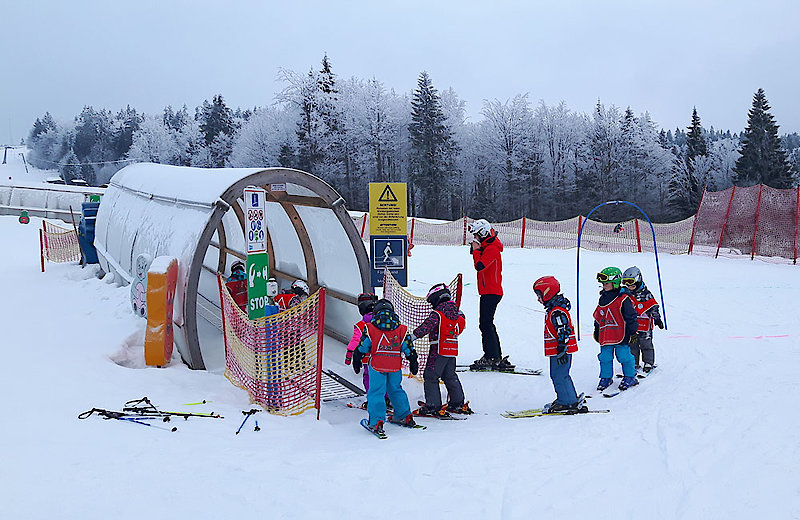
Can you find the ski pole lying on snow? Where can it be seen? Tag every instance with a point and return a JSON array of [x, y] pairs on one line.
[[122, 416], [144, 407], [199, 402], [247, 416]]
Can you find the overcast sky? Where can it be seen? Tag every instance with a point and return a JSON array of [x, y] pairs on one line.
[[655, 56]]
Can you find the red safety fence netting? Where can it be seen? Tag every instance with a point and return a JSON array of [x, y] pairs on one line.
[[59, 244], [755, 220], [277, 359], [412, 311]]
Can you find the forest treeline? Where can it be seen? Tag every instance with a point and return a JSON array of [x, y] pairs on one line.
[[545, 162]]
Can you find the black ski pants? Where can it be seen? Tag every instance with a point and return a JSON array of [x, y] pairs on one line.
[[489, 338]]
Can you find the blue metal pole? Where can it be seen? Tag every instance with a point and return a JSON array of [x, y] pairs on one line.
[[578, 262]]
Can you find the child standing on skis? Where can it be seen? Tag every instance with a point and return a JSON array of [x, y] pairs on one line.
[[385, 340], [559, 344], [615, 329], [366, 303], [443, 326], [648, 314]]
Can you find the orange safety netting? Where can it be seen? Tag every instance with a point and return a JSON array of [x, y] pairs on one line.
[[412, 311], [633, 236], [277, 359], [60, 244]]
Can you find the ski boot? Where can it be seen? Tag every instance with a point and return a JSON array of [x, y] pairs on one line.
[[408, 421], [464, 408], [604, 383], [431, 411], [482, 364], [647, 368], [503, 365], [627, 382], [377, 429]]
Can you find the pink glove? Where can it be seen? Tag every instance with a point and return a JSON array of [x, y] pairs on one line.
[[348, 358]]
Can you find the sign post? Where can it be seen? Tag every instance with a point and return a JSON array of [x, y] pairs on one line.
[[257, 258], [388, 229]]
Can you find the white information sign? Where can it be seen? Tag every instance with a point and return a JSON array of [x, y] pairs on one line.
[[255, 210]]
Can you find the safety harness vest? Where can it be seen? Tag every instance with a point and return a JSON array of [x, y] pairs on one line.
[[550, 334], [284, 300], [387, 348], [612, 324], [645, 323], [449, 330]]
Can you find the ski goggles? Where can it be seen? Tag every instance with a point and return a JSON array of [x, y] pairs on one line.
[[604, 278], [629, 281]]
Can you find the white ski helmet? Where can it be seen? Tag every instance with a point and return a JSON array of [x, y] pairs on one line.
[[481, 227], [300, 287]]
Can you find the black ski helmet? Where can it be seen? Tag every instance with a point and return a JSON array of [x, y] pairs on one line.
[[366, 303], [383, 305]]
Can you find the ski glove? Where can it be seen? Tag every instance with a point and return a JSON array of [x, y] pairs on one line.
[[357, 355], [596, 335], [633, 340], [348, 357], [413, 362], [658, 322], [561, 357]]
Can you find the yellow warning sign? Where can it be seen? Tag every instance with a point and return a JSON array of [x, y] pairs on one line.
[[387, 208]]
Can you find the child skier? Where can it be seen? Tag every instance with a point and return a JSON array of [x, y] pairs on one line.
[[366, 303], [615, 329], [647, 309], [385, 340], [559, 345], [443, 326], [237, 284], [297, 293]]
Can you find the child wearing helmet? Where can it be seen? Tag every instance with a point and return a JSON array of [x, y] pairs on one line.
[[385, 341], [486, 251], [442, 326], [296, 294], [559, 345], [648, 314], [366, 303], [615, 328], [237, 284]]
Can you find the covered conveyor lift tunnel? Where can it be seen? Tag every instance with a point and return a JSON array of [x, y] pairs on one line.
[[197, 216]]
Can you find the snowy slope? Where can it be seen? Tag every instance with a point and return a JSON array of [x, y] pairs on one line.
[[711, 434]]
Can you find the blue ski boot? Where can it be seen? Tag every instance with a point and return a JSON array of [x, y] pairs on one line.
[[627, 382], [604, 383]]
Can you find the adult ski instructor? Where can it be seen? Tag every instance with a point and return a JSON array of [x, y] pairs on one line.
[[486, 251]]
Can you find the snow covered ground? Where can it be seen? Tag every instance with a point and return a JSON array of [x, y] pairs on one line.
[[712, 434]]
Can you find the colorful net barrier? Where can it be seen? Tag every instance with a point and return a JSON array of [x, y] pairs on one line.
[[276, 359], [413, 310], [58, 244], [622, 237], [756, 220]]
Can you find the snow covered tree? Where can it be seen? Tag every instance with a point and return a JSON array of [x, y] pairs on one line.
[[69, 167], [431, 149], [154, 142], [261, 139], [218, 128], [506, 142], [763, 160]]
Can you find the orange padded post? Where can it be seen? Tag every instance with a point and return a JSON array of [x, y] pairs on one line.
[[162, 280]]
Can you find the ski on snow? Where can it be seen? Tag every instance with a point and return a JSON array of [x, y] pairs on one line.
[[517, 371], [380, 435], [539, 412]]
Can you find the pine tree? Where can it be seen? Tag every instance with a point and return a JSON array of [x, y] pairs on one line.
[[431, 146], [218, 128], [695, 143], [763, 160]]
